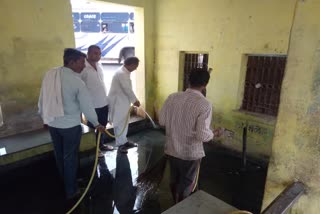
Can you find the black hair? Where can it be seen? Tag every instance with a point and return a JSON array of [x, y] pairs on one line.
[[93, 47], [131, 61], [71, 54], [199, 77]]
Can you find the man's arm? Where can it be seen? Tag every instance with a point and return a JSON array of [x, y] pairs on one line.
[[86, 105], [125, 84], [203, 131], [40, 106], [84, 75], [101, 75]]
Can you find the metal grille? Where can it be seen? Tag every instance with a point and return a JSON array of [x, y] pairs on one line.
[[193, 61], [263, 84]]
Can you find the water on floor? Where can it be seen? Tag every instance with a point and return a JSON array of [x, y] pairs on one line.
[[37, 188]]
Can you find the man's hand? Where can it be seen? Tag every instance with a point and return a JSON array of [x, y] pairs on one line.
[[136, 103], [100, 128], [218, 132]]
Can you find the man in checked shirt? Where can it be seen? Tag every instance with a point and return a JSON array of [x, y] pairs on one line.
[[186, 117]]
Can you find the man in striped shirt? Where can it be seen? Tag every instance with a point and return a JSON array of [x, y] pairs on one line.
[[186, 117]]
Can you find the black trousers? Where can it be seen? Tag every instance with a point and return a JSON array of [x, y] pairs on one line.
[[102, 114], [66, 144], [183, 177]]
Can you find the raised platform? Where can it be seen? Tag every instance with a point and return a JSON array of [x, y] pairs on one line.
[[23, 148], [201, 202]]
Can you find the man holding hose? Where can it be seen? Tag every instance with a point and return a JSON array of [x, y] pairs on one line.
[[186, 117], [121, 96], [63, 97]]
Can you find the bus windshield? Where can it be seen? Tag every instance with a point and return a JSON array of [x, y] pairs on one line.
[[111, 31]]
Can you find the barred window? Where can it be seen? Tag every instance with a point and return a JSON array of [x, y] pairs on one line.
[[193, 61], [263, 84]]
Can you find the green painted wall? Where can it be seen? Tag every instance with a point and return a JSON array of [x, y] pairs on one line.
[[33, 36], [296, 150], [227, 31]]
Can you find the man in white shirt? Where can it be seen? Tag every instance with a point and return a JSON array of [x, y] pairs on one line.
[[92, 75], [121, 96], [186, 117]]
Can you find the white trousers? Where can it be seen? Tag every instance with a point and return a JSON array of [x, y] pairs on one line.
[[122, 139]]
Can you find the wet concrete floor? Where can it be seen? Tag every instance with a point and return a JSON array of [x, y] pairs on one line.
[[37, 189]]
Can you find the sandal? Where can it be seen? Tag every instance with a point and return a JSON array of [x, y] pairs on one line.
[[104, 147], [130, 144], [122, 149], [100, 155]]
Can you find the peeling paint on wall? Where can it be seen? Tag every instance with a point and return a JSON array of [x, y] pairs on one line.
[[32, 43]]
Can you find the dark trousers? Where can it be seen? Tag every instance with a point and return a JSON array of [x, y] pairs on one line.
[[183, 177], [66, 144], [102, 114]]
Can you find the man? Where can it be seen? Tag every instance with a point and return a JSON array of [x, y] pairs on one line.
[[121, 96], [92, 75], [62, 98], [186, 117]]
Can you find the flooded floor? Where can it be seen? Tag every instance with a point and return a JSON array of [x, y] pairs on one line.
[[37, 188]]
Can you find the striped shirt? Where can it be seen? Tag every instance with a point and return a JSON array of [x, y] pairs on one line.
[[186, 117]]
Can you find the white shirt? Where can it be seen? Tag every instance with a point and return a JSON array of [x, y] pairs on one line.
[[94, 82], [75, 99], [186, 117], [120, 96], [50, 100]]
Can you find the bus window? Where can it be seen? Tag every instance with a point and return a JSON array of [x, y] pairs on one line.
[[76, 23], [113, 32], [115, 17], [131, 27], [118, 27], [104, 27], [90, 22], [90, 27]]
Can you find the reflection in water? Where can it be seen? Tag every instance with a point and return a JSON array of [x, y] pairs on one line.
[[37, 189], [125, 193], [111, 194], [101, 193]]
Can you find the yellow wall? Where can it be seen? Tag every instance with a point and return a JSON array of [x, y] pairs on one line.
[[33, 36], [227, 30], [296, 150]]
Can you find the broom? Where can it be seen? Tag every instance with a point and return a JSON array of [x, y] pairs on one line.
[[149, 180]]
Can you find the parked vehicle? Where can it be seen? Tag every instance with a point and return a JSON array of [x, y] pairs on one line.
[[112, 31]]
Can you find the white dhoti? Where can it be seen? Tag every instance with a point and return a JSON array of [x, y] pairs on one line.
[[119, 108], [120, 98]]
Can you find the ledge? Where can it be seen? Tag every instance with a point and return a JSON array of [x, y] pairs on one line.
[[255, 117], [33, 145]]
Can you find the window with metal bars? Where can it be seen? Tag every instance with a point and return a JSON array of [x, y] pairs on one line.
[[191, 61], [263, 84]]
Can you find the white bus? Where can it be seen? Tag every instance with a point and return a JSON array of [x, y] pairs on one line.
[[109, 28]]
